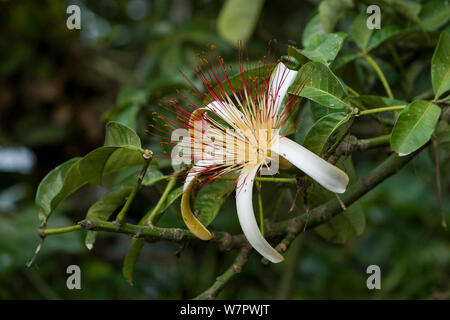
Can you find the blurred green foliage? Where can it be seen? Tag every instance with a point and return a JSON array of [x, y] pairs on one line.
[[58, 87]]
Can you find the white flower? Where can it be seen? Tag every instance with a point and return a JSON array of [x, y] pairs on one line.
[[241, 128]]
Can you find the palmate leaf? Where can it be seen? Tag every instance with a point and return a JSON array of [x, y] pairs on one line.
[[414, 126], [71, 175]]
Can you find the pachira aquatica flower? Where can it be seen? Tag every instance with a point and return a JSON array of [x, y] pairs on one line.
[[240, 130]]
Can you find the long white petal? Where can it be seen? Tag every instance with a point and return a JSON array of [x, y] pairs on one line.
[[280, 81], [327, 175], [225, 111], [244, 191]]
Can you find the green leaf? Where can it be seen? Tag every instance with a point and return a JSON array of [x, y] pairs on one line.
[[443, 135], [366, 39], [360, 33], [210, 199], [330, 12], [118, 134], [237, 19], [347, 224], [414, 126], [382, 35], [56, 186], [105, 207], [106, 160], [297, 54], [321, 86], [130, 260], [89, 241], [440, 66], [153, 175], [324, 47], [130, 175], [306, 121], [71, 175], [343, 60], [321, 131], [318, 111], [313, 27], [172, 197], [435, 14]]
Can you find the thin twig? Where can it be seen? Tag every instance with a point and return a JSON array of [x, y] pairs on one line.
[[222, 280], [381, 141], [148, 155]]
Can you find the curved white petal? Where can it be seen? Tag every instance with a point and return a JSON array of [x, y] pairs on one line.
[[197, 169], [327, 175], [280, 81], [244, 191], [226, 111]]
